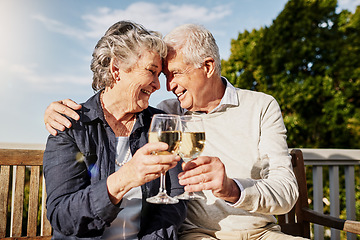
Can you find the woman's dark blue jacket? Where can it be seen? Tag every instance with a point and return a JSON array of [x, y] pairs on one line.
[[77, 163]]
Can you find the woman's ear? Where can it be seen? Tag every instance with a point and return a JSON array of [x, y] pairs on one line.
[[209, 66], [114, 69]]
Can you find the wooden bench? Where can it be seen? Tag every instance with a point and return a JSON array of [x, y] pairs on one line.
[[297, 221], [16, 162], [15, 166]]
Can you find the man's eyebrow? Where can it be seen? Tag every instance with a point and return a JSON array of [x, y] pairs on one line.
[[174, 69]]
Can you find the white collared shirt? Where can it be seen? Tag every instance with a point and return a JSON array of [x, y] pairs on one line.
[[230, 98]]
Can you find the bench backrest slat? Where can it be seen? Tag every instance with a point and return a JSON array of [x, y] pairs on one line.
[[4, 192], [15, 164]]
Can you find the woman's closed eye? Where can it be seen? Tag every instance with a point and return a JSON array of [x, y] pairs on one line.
[[153, 72]]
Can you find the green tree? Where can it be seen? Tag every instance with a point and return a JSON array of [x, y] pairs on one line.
[[347, 70], [240, 69], [308, 60]]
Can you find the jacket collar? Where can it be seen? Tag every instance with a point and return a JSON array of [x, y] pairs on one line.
[[92, 110]]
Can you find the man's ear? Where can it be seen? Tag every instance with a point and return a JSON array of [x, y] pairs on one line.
[[114, 69], [209, 66]]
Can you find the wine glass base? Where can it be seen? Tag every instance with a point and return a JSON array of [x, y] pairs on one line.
[[162, 198], [190, 196]]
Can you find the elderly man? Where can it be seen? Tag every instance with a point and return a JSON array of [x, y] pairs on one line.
[[245, 169]]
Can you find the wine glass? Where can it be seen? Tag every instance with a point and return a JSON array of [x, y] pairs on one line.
[[165, 128], [191, 145]]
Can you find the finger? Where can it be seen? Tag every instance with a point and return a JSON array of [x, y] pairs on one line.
[[193, 170], [51, 130], [199, 183], [53, 115], [151, 176], [159, 168], [58, 121], [200, 161], [138, 175], [67, 107], [166, 160], [72, 104], [141, 172], [59, 125], [189, 165], [151, 148], [198, 187], [194, 179]]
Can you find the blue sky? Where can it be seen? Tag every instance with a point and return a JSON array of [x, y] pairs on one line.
[[46, 47]]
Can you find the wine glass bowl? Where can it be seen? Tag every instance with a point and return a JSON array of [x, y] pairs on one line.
[[172, 138], [165, 128], [191, 145]]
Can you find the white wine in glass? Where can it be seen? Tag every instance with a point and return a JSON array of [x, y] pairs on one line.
[[191, 145], [165, 128]]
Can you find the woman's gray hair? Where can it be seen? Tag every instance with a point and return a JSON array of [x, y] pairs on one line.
[[124, 42], [196, 43]]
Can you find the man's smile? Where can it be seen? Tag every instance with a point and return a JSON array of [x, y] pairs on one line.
[[180, 93]]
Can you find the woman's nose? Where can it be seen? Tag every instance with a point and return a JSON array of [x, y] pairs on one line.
[[156, 83]]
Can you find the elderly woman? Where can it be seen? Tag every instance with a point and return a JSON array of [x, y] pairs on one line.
[[100, 171]]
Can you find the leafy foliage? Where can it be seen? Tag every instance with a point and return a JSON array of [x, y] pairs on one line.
[[308, 59]]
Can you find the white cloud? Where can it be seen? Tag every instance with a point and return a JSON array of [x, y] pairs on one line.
[[31, 73], [160, 17], [56, 26], [348, 4]]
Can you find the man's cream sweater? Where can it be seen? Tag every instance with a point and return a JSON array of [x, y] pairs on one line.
[[250, 139]]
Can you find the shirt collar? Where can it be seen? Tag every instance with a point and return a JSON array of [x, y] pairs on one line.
[[230, 98]]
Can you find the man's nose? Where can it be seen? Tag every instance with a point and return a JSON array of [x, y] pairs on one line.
[[170, 84]]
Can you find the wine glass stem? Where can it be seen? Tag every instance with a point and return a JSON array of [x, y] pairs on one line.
[[162, 183]]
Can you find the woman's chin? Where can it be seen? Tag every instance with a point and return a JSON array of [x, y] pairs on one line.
[[143, 105]]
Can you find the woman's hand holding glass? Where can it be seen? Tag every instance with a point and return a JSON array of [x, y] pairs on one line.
[[142, 168]]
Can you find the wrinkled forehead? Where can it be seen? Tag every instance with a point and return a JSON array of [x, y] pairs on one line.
[[173, 63]]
